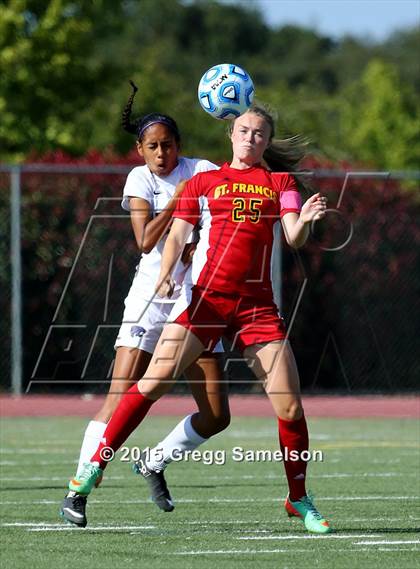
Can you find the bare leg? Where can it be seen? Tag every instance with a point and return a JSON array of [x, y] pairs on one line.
[[176, 350], [274, 364], [130, 365], [210, 392]]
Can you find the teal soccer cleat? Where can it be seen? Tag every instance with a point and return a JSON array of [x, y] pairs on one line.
[[306, 511]]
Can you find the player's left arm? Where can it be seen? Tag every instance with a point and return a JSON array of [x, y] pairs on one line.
[[296, 225]]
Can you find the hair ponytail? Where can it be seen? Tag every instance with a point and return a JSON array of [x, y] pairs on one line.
[[141, 124], [285, 155], [126, 114]]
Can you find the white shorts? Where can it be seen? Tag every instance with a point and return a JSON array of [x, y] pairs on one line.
[[143, 323]]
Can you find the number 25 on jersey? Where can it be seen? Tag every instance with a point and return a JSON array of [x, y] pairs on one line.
[[241, 210]]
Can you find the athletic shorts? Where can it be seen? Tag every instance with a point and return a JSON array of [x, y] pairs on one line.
[[245, 321], [143, 322]]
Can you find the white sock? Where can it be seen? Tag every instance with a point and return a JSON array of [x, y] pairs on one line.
[[93, 436], [182, 438]]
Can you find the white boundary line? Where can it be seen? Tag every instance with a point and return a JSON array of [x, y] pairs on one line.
[[265, 551], [91, 528], [310, 536], [388, 542], [60, 527], [243, 477], [220, 500], [206, 523], [49, 479]]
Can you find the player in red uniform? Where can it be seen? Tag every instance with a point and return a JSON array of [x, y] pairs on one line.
[[232, 296]]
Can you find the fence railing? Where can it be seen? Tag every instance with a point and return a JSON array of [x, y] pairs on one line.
[[30, 184]]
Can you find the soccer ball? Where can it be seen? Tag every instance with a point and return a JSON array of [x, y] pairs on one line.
[[225, 91]]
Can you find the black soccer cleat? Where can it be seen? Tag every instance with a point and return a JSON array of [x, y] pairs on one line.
[[73, 509], [156, 482]]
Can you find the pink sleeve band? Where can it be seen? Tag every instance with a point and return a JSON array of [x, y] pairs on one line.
[[291, 200]]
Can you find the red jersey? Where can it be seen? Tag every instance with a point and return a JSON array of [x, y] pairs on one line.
[[237, 211]]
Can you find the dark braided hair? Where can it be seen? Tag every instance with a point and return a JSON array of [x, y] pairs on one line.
[[139, 126]]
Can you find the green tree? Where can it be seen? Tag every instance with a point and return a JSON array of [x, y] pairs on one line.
[[380, 119], [300, 57], [402, 49], [46, 72], [166, 56], [65, 66]]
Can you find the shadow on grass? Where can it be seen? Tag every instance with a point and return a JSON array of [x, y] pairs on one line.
[[222, 484], [415, 530]]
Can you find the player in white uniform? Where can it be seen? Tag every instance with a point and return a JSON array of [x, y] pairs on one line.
[[150, 195]]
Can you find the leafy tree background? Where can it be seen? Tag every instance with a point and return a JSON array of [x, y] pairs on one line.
[[65, 65]]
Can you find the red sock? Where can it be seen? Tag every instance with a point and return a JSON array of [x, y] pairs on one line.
[[293, 435], [130, 412]]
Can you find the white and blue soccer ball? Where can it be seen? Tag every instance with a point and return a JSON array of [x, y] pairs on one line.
[[225, 91]]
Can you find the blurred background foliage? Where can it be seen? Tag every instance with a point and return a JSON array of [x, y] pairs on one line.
[[355, 330], [65, 66]]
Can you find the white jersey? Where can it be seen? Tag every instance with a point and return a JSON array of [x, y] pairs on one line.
[[157, 191]]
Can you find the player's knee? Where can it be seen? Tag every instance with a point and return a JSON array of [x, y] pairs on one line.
[[209, 425], [152, 389], [222, 422], [292, 412], [219, 423], [108, 408]]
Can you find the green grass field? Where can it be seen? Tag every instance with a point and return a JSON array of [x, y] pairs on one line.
[[226, 516]]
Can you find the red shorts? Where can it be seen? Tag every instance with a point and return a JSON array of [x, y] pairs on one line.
[[245, 321]]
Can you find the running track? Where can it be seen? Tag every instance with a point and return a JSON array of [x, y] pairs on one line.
[[397, 407]]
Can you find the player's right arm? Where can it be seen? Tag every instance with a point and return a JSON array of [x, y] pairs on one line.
[[186, 215], [149, 231], [174, 246]]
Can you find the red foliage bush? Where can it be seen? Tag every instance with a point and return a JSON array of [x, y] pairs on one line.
[[353, 330]]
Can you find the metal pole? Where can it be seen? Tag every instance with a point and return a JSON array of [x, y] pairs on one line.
[[276, 268], [16, 264]]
